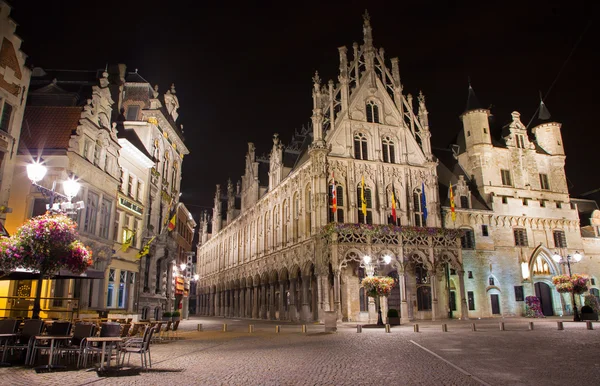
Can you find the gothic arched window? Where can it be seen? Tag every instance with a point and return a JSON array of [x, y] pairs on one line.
[[423, 288], [339, 197], [372, 112], [387, 147], [296, 216], [360, 146], [308, 211], [418, 210]]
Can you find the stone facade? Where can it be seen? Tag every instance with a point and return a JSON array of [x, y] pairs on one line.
[[274, 255]]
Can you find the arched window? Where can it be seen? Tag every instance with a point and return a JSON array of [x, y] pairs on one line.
[[360, 146], [418, 210], [165, 165], [308, 212], [266, 232], [284, 223], [362, 295], [296, 217], [388, 198], [367, 194], [540, 266], [423, 288], [372, 112], [275, 226], [338, 216], [387, 147]]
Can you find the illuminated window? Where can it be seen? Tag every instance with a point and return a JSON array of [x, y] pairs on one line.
[[540, 266]]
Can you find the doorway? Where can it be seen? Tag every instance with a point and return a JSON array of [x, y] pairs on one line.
[[495, 304], [544, 293]]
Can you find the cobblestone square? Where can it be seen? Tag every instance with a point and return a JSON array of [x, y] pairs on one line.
[[517, 356]]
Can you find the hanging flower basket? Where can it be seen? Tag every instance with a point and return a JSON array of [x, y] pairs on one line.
[[45, 244], [576, 283], [378, 285]]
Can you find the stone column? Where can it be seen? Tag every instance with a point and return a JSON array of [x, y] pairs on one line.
[[292, 314], [321, 291], [242, 303], [404, 302], [337, 295], [236, 301], [434, 296], [255, 304], [305, 305], [272, 301], [464, 310], [263, 301], [217, 309], [282, 300]]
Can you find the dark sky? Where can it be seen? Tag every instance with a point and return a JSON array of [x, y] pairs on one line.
[[243, 71]]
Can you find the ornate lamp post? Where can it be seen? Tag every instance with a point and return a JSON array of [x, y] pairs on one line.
[[567, 261], [370, 268], [36, 172]]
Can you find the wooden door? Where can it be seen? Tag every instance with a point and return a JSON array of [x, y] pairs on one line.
[[495, 304]]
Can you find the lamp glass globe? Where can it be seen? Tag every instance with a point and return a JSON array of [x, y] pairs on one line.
[[36, 171]]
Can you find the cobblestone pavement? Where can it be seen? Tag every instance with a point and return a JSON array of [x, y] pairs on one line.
[[517, 356]]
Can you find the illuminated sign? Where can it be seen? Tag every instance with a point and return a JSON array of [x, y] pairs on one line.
[[125, 203]]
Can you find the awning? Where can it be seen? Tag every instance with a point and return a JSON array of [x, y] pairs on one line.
[[62, 274]]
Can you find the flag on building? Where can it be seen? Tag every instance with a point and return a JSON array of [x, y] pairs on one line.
[[452, 209], [172, 222], [146, 249], [423, 203], [394, 215], [333, 196], [363, 201], [127, 242]]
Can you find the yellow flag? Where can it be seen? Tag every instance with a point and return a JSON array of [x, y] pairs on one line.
[[363, 203], [144, 251], [127, 242], [452, 210]]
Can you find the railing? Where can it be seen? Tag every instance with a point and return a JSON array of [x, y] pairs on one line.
[[52, 307]]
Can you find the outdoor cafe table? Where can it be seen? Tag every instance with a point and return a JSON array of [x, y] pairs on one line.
[[51, 338], [104, 340], [5, 338]]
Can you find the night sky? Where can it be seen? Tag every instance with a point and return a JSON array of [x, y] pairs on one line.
[[243, 71]]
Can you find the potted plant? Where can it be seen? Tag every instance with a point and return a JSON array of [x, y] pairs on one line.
[[176, 315], [393, 317], [167, 315]]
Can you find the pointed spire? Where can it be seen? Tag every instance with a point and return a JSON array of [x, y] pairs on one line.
[[544, 113], [367, 31], [472, 101]]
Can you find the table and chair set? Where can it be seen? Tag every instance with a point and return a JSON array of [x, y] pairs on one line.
[[63, 341]]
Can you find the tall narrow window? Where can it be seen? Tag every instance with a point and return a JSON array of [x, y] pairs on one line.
[[296, 216], [158, 277], [122, 290], [97, 151], [560, 240], [471, 300], [506, 180], [130, 191], [5, 117], [372, 112], [520, 237], [110, 294], [105, 218], [464, 201], [339, 196], [360, 146], [467, 240], [361, 217], [544, 184], [308, 212], [140, 191], [418, 210], [86, 149], [423, 288], [91, 213], [520, 141], [387, 147]]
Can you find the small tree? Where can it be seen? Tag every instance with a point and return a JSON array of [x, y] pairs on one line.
[[45, 244]]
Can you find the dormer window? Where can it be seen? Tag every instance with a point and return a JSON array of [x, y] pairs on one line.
[[360, 146], [387, 147], [132, 113], [520, 139], [372, 112]]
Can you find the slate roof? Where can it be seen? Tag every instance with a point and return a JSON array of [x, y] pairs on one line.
[[48, 127]]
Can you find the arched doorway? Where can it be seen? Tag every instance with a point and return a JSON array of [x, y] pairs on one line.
[[544, 293], [394, 299]]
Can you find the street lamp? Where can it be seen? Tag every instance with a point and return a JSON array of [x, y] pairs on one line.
[[370, 268], [36, 172], [567, 260]]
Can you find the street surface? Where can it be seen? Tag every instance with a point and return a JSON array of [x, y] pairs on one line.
[[488, 356]]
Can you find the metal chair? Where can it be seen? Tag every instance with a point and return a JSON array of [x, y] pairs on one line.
[[77, 343], [176, 329], [106, 330], [142, 348], [56, 329], [24, 341], [125, 329]]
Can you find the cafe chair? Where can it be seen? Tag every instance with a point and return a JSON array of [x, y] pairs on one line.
[[24, 340], [77, 342], [137, 347], [56, 329]]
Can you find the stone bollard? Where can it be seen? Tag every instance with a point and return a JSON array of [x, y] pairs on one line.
[[502, 326], [387, 328], [416, 328], [559, 325], [531, 325], [199, 326], [224, 327], [589, 325], [250, 328], [444, 327], [358, 328], [304, 328], [473, 327], [277, 329]]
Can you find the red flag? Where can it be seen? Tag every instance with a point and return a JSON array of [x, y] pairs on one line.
[[394, 207], [333, 196]]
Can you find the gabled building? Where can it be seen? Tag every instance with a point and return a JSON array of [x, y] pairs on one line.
[[290, 254]]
